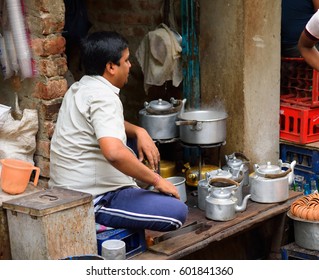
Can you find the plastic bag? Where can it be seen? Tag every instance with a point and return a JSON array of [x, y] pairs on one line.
[[17, 137], [4, 111]]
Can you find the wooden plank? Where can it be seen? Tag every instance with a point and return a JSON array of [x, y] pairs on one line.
[[183, 245]]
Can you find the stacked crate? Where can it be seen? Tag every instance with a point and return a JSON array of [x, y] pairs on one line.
[[299, 116]]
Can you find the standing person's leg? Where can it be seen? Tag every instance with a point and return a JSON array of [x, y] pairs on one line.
[[141, 209]]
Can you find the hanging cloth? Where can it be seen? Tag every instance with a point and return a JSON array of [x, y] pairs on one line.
[[159, 55]]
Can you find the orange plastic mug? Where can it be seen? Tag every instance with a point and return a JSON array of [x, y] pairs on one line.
[[15, 175]]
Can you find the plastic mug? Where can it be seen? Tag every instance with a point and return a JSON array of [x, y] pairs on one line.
[[113, 249]]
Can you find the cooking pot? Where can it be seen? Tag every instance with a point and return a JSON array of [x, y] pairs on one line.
[[270, 183], [204, 186], [158, 118], [221, 204], [202, 127], [306, 232], [194, 174], [236, 163]]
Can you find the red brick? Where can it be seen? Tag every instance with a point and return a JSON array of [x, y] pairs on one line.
[[50, 90], [44, 165], [53, 66], [49, 111], [49, 45], [43, 148]]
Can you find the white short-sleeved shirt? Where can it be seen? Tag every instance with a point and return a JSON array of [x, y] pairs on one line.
[[313, 26], [91, 109]]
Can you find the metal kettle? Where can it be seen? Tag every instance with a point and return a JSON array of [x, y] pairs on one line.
[[237, 162], [221, 203]]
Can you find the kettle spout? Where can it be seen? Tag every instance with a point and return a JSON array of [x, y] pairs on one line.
[[243, 206]]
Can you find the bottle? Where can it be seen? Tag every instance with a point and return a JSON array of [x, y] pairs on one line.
[[307, 189]]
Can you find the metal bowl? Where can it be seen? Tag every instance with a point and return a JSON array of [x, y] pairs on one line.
[[306, 232]]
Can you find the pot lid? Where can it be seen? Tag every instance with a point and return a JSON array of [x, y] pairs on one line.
[[268, 169], [159, 105], [219, 173]]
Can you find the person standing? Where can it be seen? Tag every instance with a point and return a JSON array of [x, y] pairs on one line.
[[89, 151], [294, 17]]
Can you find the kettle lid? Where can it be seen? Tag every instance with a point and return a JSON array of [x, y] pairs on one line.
[[221, 193], [234, 162], [268, 168], [219, 173], [159, 105]]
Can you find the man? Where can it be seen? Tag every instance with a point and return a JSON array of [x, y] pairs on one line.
[[308, 40], [89, 151]]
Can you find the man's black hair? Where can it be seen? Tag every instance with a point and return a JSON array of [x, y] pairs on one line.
[[99, 48]]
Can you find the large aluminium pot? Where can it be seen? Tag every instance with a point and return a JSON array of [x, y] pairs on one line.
[[306, 232], [158, 118], [270, 183], [202, 127]]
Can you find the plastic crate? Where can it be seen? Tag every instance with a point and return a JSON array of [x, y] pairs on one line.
[[299, 82], [293, 252], [134, 240], [302, 176], [306, 159], [299, 124]]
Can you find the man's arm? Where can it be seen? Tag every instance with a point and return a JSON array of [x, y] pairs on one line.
[[125, 161], [145, 144]]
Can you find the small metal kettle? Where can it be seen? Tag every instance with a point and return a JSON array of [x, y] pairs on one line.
[[221, 203], [237, 162]]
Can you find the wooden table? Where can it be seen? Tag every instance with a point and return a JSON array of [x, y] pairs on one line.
[[210, 233]]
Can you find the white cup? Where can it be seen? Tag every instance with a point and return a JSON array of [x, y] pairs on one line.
[[113, 249]]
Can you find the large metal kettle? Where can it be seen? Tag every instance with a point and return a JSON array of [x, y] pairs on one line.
[[270, 182], [221, 203]]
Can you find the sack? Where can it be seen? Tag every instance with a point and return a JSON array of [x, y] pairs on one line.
[[17, 137]]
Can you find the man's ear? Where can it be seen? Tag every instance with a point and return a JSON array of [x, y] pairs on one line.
[[110, 67]]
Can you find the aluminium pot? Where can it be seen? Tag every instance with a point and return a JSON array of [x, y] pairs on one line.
[[270, 183], [158, 118], [202, 127], [306, 232]]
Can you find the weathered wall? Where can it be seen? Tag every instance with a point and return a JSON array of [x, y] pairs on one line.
[[240, 68]]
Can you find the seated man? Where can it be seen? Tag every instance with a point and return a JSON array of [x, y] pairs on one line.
[[89, 151]]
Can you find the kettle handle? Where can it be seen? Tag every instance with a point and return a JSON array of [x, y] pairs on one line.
[[224, 180], [279, 175]]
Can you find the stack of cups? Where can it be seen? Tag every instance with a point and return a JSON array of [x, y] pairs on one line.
[[113, 249], [20, 38]]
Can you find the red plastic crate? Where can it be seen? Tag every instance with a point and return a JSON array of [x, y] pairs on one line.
[[299, 82], [299, 124]]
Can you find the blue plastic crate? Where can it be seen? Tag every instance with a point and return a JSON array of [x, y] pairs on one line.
[[134, 240], [293, 252], [306, 159], [305, 176]]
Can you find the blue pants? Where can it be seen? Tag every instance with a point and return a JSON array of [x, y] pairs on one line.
[[135, 208]]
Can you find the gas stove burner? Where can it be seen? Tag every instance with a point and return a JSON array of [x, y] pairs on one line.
[[203, 145]]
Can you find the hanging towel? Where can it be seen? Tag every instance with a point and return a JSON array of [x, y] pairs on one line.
[[159, 55]]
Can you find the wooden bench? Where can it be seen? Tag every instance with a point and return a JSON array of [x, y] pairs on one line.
[[206, 235]]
